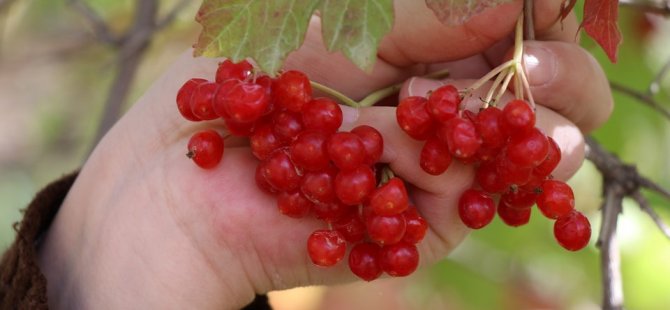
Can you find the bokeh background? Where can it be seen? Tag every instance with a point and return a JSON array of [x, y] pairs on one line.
[[55, 76]]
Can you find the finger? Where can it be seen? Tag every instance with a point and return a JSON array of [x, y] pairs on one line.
[[567, 79]]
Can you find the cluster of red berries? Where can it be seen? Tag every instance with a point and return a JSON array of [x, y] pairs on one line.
[[310, 166], [513, 159]]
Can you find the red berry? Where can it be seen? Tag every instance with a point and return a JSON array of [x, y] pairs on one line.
[[292, 90], [280, 172], [461, 137], [239, 129], [262, 183], [263, 141], [551, 161], [518, 117], [387, 229], [528, 149], [435, 157], [416, 226], [511, 173], [476, 209], [351, 226], [246, 102], [346, 150], [364, 261], [488, 178], [331, 212], [443, 103], [572, 231], [308, 151], [326, 247], [218, 104], [513, 216], [399, 260], [373, 143], [202, 101], [286, 125], [184, 98], [390, 198], [556, 199], [354, 186], [318, 186], [412, 116], [205, 148], [322, 114], [519, 198], [293, 204], [230, 70], [489, 126]]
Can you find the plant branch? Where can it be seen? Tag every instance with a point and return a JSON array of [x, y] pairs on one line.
[[655, 85], [100, 28], [610, 260], [655, 6], [646, 207], [642, 97]]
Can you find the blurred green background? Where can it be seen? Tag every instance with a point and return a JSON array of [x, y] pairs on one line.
[[52, 94]]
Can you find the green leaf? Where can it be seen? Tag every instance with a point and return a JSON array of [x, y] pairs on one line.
[[263, 30], [457, 12], [355, 27]]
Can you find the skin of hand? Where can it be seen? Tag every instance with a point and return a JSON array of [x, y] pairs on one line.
[[143, 227]]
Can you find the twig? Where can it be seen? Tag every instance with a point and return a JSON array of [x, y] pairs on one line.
[[610, 259], [656, 6], [644, 206], [529, 27], [655, 84], [100, 28], [641, 97]]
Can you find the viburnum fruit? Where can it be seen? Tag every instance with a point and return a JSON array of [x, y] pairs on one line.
[[205, 148], [572, 231], [312, 167]]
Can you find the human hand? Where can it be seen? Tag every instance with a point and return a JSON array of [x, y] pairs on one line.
[[143, 226]]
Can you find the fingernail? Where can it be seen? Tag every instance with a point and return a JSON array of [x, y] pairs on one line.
[[417, 86], [540, 65], [349, 115]]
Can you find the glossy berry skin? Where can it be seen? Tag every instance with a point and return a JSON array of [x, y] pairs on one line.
[[511, 173], [519, 198], [326, 247], [399, 260], [351, 226], [308, 151], [331, 212], [518, 117], [293, 204], [218, 104], [511, 216], [373, 143], [279, 171], [292, 90], [489, 126], [322, 114], [488, 178], [572, 231], [547, 166], [246, 102], [443, 103], [353, 187], [239, 129], [413, 117], [390, 198], [476, 209], [184, 98], [385, 229], [461, 137], [416, 226], [202, 101], [287, 125], [205, 148], [528, 149], [346, 150], [230, 70], [263, 141], [262, 183], [435, 157], [364, 261], [556, 199], [318, 186]]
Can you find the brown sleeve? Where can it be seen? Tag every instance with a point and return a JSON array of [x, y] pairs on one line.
[[22, 285]]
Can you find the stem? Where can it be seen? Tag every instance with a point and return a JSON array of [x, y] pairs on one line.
[[378, 95], [338, 95], [526, 85], [489, 76], [503, 88], [495, 85]]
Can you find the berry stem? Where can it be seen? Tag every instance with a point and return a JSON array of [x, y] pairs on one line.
[[488, 76], [378, 95], [496, 83], [338, 95], [503, 87], [387, 174]]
